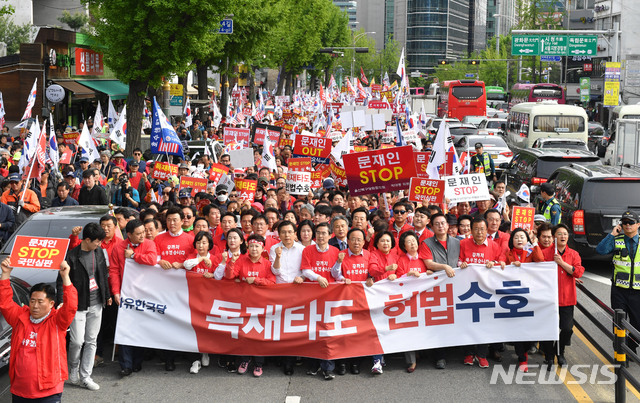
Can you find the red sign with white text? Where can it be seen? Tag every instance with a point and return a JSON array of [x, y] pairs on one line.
[[247, 189], [427, 191], [379, 170], [88, 62], [216, 172], [163, 170], [316, 147], [299, 164], [238, 135], [522, 217], [378, 105], [196, 184], [38, 253]]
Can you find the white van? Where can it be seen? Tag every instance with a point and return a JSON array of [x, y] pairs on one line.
[[629, 114], [529, 121]]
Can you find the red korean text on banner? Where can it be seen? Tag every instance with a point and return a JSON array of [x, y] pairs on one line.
[[522, 217], [427, 191], [298, 182], [422, 161], [196, 184], [66, 156], [360, 149], [285, 142], [299, 164], [287, 115], [163, 170], [378, 105], [216, 172], [318, 148], [38, 253], [238, 135], [339, 174], [376, 87], [319, 174], [379, 170], [71, 137], [247, 189]]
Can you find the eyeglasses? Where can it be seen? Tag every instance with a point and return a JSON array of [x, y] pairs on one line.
[[188, 217], [137, 153], [399, 211], [233, 195], [628, 223]]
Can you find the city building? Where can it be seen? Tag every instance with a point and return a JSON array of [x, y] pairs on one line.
[[43, 13], [501, 17], [350, 7], [370, 18]]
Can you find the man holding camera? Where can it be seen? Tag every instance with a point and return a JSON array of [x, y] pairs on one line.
[[126, 195]]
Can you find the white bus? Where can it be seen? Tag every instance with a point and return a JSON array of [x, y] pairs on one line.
[[529, 121], [629, 114]]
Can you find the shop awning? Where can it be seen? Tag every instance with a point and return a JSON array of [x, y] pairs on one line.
[[114, 88], [79, 91]]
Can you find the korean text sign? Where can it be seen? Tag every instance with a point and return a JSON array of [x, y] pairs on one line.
[[427, 191], [183, 311], [238, 135], [379, 170], [247, 189], [522, 217], [38, 253], [196, 184], [216, 172], [318, 148], [163, 170], [260, 130], [466, 188]]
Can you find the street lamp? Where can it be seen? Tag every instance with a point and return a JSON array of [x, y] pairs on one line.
[[353, 58], [497, 22]]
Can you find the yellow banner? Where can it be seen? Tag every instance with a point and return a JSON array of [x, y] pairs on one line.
[[611, 93]]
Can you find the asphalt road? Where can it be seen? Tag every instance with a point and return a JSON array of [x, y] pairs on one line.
[[457, 383]]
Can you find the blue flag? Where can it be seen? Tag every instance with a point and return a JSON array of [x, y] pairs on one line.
[[399, 139], [164, 139]]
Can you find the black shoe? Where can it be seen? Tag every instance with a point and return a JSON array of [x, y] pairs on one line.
[[288, 369], [125, 372], [496, 356], [299, 361], [221, 362], [170, 366], [313, 370], [341, 369], [561, 360], [137, 368], [328, 375], [231, 367], [355, 369]]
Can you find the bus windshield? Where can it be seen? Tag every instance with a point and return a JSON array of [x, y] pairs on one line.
[[467, 92], [559, 124]]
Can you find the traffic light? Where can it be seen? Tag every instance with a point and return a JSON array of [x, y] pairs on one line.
[[474, 62], [443, 62]]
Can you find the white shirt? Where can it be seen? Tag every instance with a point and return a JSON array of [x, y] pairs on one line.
[[290, 262]]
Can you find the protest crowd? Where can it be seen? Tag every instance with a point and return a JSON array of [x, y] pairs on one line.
[[282, 216]]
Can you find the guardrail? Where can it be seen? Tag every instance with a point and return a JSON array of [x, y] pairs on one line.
[[622, 329]]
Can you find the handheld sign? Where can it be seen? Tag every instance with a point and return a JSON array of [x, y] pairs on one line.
[[38, 253], [427, 191], [379, 171], [163, 170], [196, 184], [470, 187], [522, 217]]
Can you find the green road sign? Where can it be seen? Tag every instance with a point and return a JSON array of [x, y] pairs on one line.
[[554, 45], [582, 45], [525, 45]]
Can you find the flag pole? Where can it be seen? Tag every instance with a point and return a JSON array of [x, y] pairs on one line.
[[24, 190]]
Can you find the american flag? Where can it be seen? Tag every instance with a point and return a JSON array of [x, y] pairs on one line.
[[168, 147]]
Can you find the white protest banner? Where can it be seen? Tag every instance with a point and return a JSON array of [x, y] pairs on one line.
[[298, 182], [242, 158], [469, 187], [183, 311]]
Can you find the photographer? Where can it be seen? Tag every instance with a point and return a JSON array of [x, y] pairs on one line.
[[126, 195]]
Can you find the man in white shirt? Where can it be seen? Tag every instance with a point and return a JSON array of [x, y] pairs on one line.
[[286, 257]]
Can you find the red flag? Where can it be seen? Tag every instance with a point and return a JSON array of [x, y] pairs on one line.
[[361, 91], [323, 97], [363, 78]]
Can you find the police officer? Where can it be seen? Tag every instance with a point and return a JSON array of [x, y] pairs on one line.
[[483, 163], [625, 289], [550, 209]]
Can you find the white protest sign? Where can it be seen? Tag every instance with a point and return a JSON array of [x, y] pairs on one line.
[[470, 187], [242, 158]]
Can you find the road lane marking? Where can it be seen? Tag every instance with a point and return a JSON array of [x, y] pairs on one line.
[[576, 390], [292, 399], [602, 358]]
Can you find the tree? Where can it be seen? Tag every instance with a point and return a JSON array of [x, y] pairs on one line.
[[145, 41], [13, 35], [75, 21]]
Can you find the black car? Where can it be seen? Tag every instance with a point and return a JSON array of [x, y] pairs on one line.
[[55, 222], [532, 166], [593, 198], [20, 297]]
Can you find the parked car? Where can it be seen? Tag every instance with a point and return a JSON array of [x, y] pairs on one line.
[[596, 134], [533, 166], [493, 126], [565, 144], [473, 120], [20, 297], [494, 145], [54, 222], [434, 125], [459, 130], [593, 199]]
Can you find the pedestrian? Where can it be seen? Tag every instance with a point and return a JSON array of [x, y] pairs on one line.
[[482, 162], [37, 365], [89, 275]]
